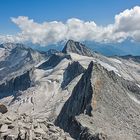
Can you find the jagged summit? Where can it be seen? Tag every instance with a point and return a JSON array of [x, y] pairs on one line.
[[77, 47]]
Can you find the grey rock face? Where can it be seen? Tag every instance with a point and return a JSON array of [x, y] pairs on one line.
[[101, 102], [15, 68], [73, 70], [17, 59], [3, 108], [54, 60], [76, 47], [86, 135], [16, 84], [77, 104]]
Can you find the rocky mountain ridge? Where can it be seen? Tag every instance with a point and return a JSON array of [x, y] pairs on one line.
[[101, 95], [17, 58], [86, 94]]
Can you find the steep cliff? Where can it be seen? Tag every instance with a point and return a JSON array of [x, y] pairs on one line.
[[54, 60], [19, 83], [101, 103], [73, 70]]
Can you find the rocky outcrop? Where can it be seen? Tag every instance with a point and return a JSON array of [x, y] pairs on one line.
[[78, 103], [54, 60], [16, 84], [131, 57], [77, 47], [86, 135], [73, 70], [24, 127], [99, 102], [3, 108]]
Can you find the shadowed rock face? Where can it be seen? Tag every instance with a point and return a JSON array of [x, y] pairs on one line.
[[19, 83], [54, 60], [3, 108], [78, 103], [101, 103], [91, 104], [76, 47], [73, 70]]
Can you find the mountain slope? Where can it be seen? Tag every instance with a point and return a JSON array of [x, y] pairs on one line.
[[16, 65], [16, 59], [63, 86], [101, 99], [54, 60]]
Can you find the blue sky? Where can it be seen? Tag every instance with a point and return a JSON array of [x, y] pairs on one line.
[[100, 11]]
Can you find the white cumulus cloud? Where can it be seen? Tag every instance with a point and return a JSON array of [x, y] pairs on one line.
[[126, 24]]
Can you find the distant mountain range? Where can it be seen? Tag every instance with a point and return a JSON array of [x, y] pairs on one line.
[[110, 49], [125, 48]]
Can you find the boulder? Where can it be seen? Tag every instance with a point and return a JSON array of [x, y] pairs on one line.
[[3, 108], [4, 128]]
